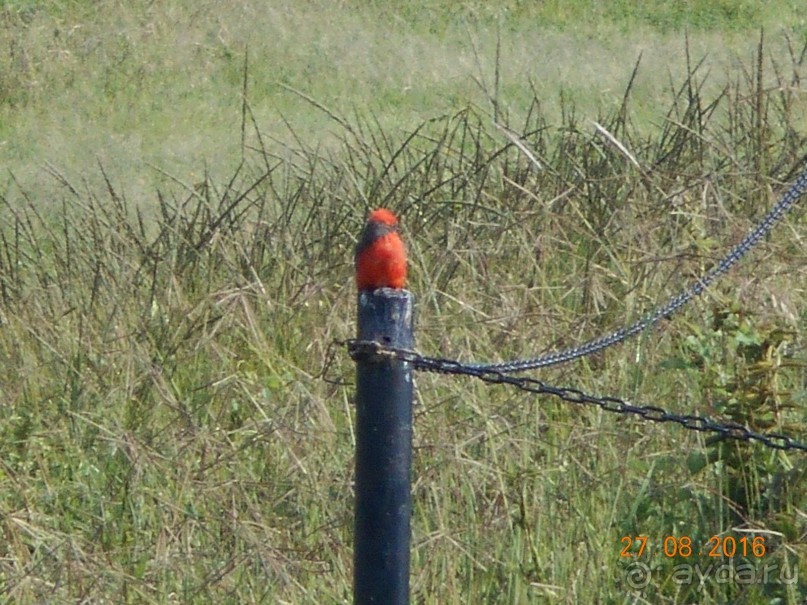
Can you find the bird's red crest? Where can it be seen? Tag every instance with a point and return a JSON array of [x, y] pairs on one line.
[[382, 215]]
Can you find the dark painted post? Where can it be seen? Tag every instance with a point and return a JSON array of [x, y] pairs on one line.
[[383, 452]]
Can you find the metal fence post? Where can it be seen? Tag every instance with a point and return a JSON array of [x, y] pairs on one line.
[[383, 505]]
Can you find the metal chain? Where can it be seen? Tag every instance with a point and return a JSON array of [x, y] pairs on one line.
[[371, 350], [695, 289]]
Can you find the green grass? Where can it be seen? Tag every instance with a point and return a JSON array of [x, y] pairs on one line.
[[139, 86], [166, 430]]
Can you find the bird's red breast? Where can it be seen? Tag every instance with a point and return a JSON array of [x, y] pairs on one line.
[[380, 254]]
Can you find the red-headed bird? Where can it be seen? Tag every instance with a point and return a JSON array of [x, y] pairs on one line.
[[380, 254]]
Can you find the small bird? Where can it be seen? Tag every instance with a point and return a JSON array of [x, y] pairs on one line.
[[380, 258]]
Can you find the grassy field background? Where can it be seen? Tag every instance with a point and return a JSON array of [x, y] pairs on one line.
[[175, 262], [145, 88]]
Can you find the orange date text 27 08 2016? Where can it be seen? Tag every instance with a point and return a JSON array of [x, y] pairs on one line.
[[682, 546]]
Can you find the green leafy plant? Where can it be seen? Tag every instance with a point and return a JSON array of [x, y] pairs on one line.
[[749, 372]]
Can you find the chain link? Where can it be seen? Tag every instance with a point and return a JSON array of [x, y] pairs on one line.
[[695, 289], [371, 350]]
